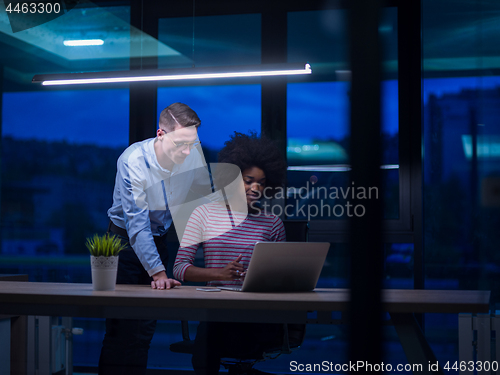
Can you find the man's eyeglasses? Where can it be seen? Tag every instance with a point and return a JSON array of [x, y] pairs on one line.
[[183, 144]]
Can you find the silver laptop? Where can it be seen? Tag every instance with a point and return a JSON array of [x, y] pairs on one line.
[[284, 267]]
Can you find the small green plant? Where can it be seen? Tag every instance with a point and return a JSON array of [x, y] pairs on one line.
[[106, 245]]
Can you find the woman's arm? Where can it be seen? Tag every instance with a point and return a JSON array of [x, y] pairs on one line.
[[184, 269], [232, 271], [193, 236]]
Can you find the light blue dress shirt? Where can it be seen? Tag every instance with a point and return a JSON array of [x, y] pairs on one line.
[[143, 192]]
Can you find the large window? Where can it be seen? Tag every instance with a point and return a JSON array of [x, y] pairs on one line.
[[57, 178], [59, 146], [214, 41], [319, 152], [318, 131], [318, 140], [461, 162], [222, 111], [211, 40]]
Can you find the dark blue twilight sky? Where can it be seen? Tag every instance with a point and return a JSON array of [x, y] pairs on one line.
[[100, 116]]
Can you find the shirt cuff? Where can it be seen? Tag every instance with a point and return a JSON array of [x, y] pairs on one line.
[[181, 271], [155, 270]]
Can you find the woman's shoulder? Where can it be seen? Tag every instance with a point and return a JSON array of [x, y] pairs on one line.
[[208, 209], [265, 216]]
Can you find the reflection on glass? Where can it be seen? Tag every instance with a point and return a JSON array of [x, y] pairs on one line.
[[303, 152], [461, 174], [309, 33], [318, 114], [318, 152], [319, 196], [390, 192], [49, 47], [460, 163], [222, 110], [398, 270], [335, 273], [58, 159], [211, 40], [78, 117]]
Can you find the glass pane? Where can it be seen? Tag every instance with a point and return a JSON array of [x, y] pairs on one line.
[[398, 270], [58, 163], [222, 111], [460, 37], [59, 147], [211, 40], [318, 118], [461, 163], [49, 47], [87, 347], [335, 272], [309, 33]]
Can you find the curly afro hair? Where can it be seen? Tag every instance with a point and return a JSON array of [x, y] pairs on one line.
[[248, 151]]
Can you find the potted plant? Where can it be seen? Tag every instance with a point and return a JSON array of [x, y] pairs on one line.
[[104, 260]]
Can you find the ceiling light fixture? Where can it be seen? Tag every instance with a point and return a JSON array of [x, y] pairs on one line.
[[173, 74], [83, 42]]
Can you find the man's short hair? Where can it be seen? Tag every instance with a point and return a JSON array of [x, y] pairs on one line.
[[178, 114]]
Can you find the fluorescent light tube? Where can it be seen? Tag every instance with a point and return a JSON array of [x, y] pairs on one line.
[[84, 42], [262, 70]]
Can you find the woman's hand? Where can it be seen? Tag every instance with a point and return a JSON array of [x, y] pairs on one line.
[[233, 271]]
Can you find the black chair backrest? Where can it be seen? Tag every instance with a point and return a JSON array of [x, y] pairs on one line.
[[296, 230]]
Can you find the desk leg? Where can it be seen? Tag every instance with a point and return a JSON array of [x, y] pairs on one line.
[[19, 345], [13, 345], [416, 347]]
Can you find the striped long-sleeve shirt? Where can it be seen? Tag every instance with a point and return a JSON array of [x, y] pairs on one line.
[[224, 235]]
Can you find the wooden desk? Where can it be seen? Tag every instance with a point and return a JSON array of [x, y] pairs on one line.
[[186, 303]]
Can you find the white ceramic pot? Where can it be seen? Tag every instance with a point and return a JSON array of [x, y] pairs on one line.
[[104, 272]]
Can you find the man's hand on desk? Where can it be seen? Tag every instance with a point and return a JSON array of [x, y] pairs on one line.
[[161, 281]]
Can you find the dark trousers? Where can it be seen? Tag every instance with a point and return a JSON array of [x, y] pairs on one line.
[[126, 342], [216, 340]]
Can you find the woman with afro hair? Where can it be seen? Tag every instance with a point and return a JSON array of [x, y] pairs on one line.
[[227, 250]]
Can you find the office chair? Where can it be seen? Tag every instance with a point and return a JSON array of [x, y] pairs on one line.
[[293, 334]]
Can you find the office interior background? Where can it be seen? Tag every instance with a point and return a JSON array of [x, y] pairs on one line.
[[440, 138]]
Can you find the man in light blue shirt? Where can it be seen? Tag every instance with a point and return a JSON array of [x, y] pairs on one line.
[[153, 176]]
